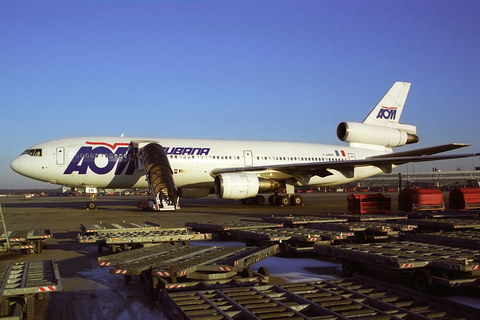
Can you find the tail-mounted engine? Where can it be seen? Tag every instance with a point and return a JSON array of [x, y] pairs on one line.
[[387, 136]]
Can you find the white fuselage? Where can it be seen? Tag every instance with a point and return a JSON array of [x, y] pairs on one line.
[[102, 162]]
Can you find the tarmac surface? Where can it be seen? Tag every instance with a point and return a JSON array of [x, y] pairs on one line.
[[90, 291]]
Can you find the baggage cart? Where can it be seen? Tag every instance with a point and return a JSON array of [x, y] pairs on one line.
[[464, 199], [369, 203], [420, 200]]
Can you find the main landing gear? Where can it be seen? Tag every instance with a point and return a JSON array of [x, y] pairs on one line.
[[276, 200], [285, 200]]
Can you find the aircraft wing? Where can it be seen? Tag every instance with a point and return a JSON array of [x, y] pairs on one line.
[[384, 162], [423, 151]]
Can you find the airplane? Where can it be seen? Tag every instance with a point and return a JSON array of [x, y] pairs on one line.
[[193, 168]]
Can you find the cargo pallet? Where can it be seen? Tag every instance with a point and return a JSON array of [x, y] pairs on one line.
[[462, 238], [369, 203], [126, 236], [21, 281], [444, 214], [293, 221], [353, 298], [444, 224], [94, 228], [464, 199], [425, 263], [181, 266], [223, 229], [412, 200], [292, 239], [369, 217], [368, 230], [32, 241]]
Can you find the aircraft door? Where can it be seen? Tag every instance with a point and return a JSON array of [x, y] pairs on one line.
[[248, 158], [60, 156]]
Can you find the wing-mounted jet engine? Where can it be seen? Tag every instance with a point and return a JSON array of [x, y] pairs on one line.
[[245, 186]]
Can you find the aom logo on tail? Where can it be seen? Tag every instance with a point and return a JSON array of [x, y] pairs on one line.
[[387, 113]]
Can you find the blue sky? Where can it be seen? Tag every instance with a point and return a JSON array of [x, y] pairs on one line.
[[259, 70]]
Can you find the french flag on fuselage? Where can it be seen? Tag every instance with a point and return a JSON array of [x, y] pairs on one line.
[[340, 152]]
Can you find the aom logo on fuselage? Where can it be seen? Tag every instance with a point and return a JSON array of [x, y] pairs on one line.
[[388, 113], [102, 158]]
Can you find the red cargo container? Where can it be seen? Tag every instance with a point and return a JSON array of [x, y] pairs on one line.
[[369, 203], [421, 200], [464, 199]]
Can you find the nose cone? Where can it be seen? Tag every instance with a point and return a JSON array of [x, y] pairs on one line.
[[22, 166], [15, 165]]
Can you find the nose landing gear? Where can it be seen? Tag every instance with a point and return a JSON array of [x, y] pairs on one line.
[[92, 204]]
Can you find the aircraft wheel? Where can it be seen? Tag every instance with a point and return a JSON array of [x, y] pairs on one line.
[[349, 267], [246, 273], [264, 271], [91, 205], [297, 200], [283, 200], [422, 280], [260, 200], [271, 199]]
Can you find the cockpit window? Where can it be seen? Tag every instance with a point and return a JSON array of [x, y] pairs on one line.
[[33, 152]]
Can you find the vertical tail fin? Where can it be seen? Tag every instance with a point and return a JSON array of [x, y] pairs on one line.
[[381, 130], [390, 108]]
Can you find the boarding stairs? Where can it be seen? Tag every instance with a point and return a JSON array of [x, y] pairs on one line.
[[159, 175]]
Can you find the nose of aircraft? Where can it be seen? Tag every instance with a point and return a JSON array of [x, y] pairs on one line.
[[15, 165]]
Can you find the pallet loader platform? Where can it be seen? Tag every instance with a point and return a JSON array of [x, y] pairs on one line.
[[425, 263], [174, 266], [292, 239], [126, 236], [352, 298], [32, 241], [224, 229], [21, 281]]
